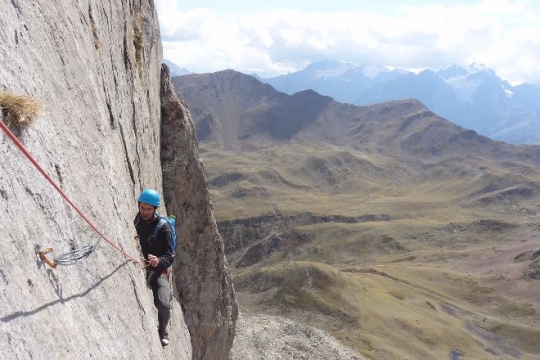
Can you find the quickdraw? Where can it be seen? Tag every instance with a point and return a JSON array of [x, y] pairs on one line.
[[42, 251], [77, 254]]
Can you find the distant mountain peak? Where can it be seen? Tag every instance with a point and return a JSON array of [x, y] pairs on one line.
[[472, 96], [452, 71], [323, 65], [474, 67], [371, 71], [175, 69], [338, 69]]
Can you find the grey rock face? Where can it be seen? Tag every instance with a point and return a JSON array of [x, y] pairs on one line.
[[95, 68], [201, 271]]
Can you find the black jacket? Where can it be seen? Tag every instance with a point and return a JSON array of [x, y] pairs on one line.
[[160, 246]]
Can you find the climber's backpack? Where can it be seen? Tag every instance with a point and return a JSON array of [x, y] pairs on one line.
[[162, 220]]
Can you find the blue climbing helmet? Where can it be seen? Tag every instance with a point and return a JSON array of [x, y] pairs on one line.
[[150, 197]]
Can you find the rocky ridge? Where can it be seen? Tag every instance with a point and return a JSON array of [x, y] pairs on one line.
[[202, 275], [95, 69]]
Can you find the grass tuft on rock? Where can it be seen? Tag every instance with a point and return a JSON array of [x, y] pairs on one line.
[[18, 111]]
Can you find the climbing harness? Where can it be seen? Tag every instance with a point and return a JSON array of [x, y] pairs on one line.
[[76, 255]]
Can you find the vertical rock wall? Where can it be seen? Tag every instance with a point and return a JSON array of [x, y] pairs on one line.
[[201, 272], [95, 68]]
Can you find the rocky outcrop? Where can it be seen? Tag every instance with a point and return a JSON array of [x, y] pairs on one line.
[[95, 69], [273, 337], [201, 271], [241, 233]]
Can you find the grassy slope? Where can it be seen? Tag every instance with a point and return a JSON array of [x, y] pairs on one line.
[[406, 288]]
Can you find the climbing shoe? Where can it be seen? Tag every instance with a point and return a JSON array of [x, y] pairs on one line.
[[165, 339]]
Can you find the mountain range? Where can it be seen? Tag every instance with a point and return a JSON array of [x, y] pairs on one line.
[[400, 233], [472, 96], [175, 69]]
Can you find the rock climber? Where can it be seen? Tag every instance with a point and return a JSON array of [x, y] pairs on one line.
[[158, 254]]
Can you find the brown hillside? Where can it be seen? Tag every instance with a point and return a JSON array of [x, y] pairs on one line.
[[238, 111], [402, 234]]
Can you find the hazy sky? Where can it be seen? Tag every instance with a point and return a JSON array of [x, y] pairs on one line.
[[280, 36]]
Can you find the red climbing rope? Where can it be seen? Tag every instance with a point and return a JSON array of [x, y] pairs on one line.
[[44, 173]]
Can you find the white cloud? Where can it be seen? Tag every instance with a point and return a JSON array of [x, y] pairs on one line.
[[502, 34]]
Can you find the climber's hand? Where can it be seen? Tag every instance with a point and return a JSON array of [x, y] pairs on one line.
[[153, 260]]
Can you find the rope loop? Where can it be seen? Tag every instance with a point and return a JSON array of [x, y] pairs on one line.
[[75, 255]]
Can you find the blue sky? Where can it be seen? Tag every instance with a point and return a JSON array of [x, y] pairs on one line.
[[280, 36]]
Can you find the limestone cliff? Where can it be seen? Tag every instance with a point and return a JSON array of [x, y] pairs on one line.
[[202, 274], [95, 68]]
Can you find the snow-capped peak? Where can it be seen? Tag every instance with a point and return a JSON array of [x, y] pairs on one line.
[[465, 80], [371, 71], [474, 68], [335, 71], [451, 71]]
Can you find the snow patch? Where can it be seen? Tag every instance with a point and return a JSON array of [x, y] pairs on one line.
[[509, 93], [371, 71], [463, 86], [334, 72], [474, 68]]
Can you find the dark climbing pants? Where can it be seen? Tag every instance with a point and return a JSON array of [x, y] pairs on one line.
[[162, 297]]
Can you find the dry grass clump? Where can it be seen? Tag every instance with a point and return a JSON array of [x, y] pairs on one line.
[[18, 111]]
